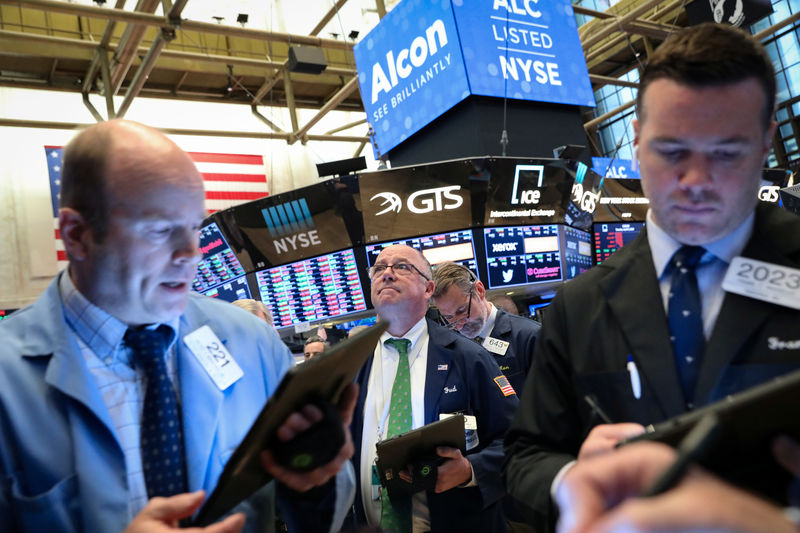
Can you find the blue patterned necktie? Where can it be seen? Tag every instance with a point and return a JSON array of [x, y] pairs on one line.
[[163, 458], [396, 514], [686, 317]]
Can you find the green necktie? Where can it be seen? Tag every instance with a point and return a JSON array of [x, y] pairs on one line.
[[396, 514]]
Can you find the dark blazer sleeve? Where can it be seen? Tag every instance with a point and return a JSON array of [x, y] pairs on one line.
[[545, 433], [475, 370]]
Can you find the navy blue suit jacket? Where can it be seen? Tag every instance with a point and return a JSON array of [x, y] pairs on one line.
[[456, 362], [520, 333]]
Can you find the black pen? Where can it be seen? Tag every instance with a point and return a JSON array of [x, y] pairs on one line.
[[693, 447], [596, 409]]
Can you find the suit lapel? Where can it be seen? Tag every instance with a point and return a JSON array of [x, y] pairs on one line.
[[201, 401], [438, 368], [739, 318], [501, 326], [635, 300]]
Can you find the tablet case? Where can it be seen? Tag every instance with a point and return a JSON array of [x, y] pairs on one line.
[[321, 378], [397, 453], [750, 420]]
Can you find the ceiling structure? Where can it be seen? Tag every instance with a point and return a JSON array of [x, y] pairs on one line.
[[137, 52]]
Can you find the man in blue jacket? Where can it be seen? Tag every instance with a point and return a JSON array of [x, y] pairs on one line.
[[444, 374], [117, 357], [461, 299]]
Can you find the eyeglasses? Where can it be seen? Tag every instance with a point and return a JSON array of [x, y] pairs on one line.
[[399, 269], [450, 321]]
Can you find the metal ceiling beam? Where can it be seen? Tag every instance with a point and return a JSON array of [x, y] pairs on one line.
[[128, 45], [171, 54], [614, 25], [15, 123], [149, 61], [328, 16], [343, 93], [188, 25], [91, 72]]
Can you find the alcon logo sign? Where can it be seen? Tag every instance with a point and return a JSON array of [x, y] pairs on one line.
[[289, 225], [402, 65], [422, 201]]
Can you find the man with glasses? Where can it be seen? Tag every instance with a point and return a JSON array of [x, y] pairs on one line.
[[461, 299], [419, 373]]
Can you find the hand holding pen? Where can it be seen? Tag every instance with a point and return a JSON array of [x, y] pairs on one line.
[[599, 495]]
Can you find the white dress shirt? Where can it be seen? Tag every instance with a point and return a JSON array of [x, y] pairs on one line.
[[376, 415], [711, 270]]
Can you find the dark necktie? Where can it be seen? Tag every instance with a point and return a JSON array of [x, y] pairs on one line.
[[686, 317], [163, 458], [396, 513]]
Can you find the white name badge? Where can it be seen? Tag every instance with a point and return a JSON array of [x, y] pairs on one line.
[[764, 281], [495, 345], [215, 358]]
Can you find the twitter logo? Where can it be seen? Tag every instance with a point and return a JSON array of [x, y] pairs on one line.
[[507, 275]]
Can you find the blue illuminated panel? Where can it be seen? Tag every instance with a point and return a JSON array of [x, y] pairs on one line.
[[522, 254], [410, 70], [219, 265], [527, 50], [456, 246], [322, 287]]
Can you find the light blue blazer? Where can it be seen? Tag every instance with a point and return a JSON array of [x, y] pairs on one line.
[[61, 466]]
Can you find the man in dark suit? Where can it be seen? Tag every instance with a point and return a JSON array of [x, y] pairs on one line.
[[443, 373], [461, 299], [650, 333]]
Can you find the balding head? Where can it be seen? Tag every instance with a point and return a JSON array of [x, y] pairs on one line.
[[110, 160], [129, 220]]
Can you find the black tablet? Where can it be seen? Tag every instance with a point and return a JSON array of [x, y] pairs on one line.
[[749, 421], [322, 378], [396, 453]]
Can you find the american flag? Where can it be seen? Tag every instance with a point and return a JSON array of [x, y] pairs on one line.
[[230, 179], [505, 386]]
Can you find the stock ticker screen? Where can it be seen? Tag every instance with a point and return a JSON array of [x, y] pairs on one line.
[[517, 255], [611, 236], [219, 273], [5, 312], [322, 287], [577, 252], [456, 246]]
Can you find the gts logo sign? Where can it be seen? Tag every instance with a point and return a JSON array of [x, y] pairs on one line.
[[421, 202]]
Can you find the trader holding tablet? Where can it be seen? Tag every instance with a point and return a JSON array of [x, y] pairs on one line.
[[660, 327], [420, 372], [120, 391]]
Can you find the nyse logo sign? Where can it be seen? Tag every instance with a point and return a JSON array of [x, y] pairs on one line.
[[290, 225], [521, 194], [421, 202]]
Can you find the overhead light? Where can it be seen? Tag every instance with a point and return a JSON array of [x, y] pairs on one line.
[[218, 19], [242, 18]]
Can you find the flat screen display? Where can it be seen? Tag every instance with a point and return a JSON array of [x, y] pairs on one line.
[[516, 255], [313, 289], [611, 236], [456, 246], [237, 289], [577, 252], [219, 265], [5, 312]]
